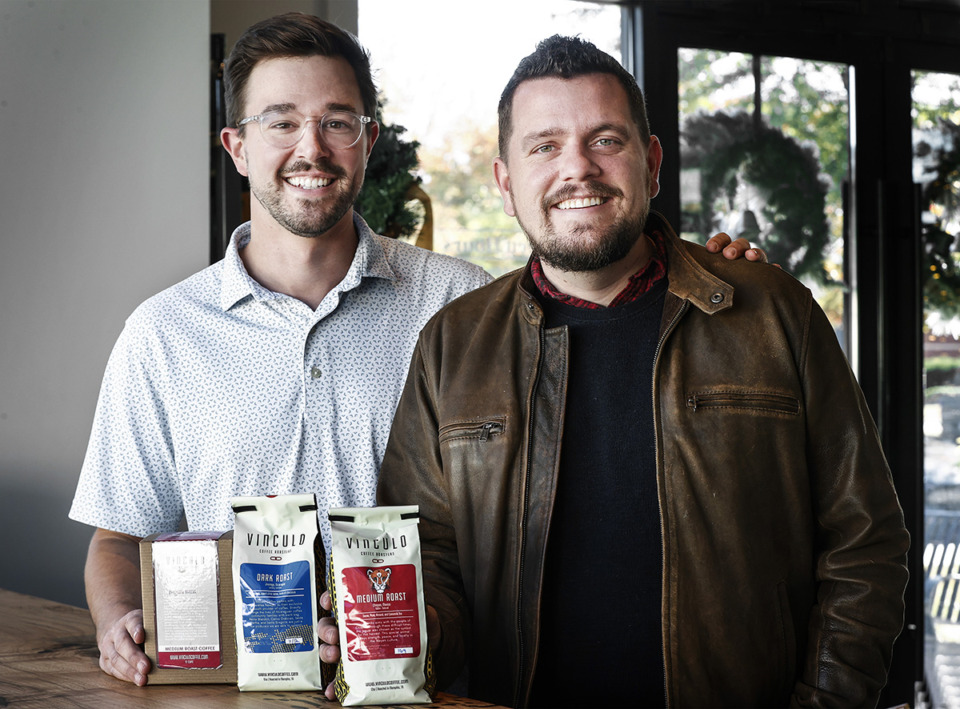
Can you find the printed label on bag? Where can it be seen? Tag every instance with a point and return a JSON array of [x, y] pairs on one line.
[[381, 617], [188, 629], [277, 607]]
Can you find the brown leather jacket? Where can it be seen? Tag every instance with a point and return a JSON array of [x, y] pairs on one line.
[[783, 541]]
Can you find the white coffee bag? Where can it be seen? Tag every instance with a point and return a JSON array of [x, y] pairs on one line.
[[275, 593], [377, 586]]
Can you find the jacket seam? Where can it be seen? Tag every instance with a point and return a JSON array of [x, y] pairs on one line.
[[521, 536]]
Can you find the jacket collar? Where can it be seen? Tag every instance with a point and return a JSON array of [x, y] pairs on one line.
[[688, 280]]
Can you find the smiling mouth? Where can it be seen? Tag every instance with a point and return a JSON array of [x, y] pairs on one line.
[[308, 183], [580, 202]]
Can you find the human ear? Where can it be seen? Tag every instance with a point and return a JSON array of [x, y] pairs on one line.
[[654, 159], [373, 132], [232, 142], [501, 176]]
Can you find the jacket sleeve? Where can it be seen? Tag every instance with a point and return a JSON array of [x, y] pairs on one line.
[[861, 541], [412, 474]]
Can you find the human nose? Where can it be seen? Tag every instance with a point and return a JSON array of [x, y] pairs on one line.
[[311, 140], [578, 163]]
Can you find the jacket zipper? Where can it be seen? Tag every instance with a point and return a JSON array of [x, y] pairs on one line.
[[656, 442], [772, 402], [467, 430], [523, 519], [490, 427]]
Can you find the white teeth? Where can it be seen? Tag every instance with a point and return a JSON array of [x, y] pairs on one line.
[[580, 203], [309, 183]]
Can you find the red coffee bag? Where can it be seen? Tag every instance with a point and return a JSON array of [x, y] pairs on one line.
[[377, 586]]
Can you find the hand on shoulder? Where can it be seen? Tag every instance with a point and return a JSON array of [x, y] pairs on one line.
[[733, 249]]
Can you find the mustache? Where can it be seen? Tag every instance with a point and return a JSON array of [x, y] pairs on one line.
[[594, 188], [322, 165]]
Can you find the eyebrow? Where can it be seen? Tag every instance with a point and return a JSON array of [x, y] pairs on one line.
[[343, 107], [623, 130], [534, 137], [278, 107], [282, 107]]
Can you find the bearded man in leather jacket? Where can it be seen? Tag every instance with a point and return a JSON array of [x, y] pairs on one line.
[[645, 477]]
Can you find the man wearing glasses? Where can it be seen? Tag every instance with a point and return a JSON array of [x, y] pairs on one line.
[[278, 369]]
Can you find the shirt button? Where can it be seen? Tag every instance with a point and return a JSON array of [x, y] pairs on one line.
[[315, 372]]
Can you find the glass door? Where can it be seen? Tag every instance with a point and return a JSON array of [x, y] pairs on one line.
[[936, 174]]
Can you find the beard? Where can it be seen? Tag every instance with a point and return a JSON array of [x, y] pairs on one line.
[[584, 248], [309, 218]]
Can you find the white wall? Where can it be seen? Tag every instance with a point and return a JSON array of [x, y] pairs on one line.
[[104, 200]]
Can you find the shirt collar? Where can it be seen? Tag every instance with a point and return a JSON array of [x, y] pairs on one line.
[[369, 261], [639, 283]]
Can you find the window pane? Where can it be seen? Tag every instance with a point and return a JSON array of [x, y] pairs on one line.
[[714, 81], [936, 168], [765, 154], [441, 69]]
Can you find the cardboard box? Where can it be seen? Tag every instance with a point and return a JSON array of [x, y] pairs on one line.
[[185, 574]]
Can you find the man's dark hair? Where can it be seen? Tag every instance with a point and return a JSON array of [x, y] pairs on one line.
[[565, 58], [294, 34]]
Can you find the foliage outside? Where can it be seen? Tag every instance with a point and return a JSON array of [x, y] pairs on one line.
[[391, 170], [785, 160], [467, 206], [937, 169]]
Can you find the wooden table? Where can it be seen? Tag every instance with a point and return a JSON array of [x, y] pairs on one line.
[[49, 660]]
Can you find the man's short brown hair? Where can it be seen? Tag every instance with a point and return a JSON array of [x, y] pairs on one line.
[[294, 34], [566, 58]]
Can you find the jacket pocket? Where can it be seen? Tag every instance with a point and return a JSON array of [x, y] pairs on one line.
[[480, 429], [748, 400]]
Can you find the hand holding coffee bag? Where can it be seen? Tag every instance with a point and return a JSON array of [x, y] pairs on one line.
[[377, 586]]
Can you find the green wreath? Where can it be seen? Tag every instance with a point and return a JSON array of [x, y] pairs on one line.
[[728, 148]]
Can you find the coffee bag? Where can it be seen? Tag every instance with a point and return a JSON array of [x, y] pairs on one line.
[[377, 586], [275, 593]]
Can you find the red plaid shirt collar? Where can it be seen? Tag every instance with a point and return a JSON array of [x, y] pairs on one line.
[[640, 282]]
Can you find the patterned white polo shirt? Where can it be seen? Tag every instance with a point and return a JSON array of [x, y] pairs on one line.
[[219, 387]]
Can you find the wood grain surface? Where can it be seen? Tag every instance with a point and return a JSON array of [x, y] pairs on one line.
[[49, 660]]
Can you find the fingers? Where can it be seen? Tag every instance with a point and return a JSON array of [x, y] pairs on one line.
[[734, 249], [737, 249], [329, 636], [120, 653], [718, 242], [133, 623]]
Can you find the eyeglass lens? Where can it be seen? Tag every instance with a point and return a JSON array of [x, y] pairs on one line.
[[338, 129]]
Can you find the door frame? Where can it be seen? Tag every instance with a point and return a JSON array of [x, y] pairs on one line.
[[882, 41]]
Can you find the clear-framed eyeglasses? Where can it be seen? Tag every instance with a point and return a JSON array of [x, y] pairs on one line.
[[284, 129]]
